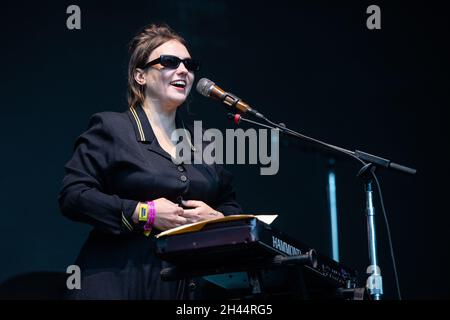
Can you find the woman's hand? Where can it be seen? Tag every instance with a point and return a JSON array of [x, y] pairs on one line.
[[168, 215], [200, 212]]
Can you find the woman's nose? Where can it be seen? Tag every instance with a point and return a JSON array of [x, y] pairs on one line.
[[182, 68]]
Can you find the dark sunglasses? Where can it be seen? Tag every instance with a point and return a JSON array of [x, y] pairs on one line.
[[172, 62]]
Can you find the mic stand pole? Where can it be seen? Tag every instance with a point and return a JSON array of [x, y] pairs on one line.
[[374, 283]]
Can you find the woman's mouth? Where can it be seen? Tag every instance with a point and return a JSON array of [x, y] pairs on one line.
[[178, 84]]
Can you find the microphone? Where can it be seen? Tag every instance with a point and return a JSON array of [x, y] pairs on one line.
[[209, 89]]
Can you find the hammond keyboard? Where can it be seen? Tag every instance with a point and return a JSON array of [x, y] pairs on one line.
[[240, 245]]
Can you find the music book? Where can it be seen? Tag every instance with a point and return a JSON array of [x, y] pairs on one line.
[[196, 226]]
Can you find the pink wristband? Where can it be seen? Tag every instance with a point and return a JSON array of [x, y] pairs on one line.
[[151, 216]]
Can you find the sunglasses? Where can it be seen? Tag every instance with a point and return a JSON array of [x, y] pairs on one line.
[[172, 62]]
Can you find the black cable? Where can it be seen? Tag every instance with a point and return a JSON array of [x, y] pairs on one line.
[[389, 237]]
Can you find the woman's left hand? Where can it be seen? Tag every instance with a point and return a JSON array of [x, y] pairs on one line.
[[200, 212]]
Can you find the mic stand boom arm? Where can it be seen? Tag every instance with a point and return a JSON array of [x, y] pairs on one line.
[[361, 156]]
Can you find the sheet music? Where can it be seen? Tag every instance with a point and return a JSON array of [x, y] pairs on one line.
[[196, 226]]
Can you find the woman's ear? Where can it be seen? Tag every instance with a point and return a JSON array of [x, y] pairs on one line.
[[139, 76]]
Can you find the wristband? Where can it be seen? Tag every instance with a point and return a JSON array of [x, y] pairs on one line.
[[150, 217], [143, 212]]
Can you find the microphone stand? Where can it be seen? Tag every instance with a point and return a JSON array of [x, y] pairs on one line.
[[374, 283]]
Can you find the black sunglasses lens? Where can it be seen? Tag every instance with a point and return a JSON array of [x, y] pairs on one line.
[[192, 65], [170, 62], [173, 62]]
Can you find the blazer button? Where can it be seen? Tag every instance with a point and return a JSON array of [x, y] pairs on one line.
[[180, 168], [183, 178]]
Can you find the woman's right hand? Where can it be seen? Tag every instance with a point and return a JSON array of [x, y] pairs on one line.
[[168, 214]]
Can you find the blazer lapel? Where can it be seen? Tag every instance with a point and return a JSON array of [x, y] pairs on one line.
[[144, 131]]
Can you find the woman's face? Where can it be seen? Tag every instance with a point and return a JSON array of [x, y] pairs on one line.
[[160, 80]]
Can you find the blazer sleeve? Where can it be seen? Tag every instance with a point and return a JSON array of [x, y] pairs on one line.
[[82, 196], [226, 202]]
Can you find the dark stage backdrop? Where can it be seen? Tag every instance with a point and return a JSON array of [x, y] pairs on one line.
[[312, 65]]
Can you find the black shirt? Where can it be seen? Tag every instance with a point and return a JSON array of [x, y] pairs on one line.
[[116, 163]]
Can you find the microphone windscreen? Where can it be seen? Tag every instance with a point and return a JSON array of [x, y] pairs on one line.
[[204, 86]]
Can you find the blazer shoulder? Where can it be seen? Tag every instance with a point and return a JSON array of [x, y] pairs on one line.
[[109, 118], [113, 122]]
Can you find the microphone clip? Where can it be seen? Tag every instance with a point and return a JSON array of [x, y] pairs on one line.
[[230, 99]]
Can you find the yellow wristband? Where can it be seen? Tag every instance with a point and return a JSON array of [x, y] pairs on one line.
[[143, 212]]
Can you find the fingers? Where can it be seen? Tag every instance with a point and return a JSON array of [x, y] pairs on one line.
[[193, 203], [178, 210], [189, 212], [191, 215], [170, 214], [181, 220]]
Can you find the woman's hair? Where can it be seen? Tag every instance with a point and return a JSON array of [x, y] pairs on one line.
[[141, 46]]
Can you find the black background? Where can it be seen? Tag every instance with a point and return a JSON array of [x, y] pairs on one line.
[[312, 65]]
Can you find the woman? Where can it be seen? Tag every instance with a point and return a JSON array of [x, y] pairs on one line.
[[122, 180]]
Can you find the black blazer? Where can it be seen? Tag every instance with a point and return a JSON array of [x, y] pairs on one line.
[[116, 163]]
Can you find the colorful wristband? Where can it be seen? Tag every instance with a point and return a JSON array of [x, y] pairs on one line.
[[151, 218]]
